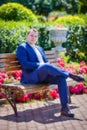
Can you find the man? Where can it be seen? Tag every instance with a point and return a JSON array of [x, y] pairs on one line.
[[37, 69]]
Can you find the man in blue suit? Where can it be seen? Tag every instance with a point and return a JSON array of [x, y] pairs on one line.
[[37, 69]]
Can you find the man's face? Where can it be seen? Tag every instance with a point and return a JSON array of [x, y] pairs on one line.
[[32, 37]]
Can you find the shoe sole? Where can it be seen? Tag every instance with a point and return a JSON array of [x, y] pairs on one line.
[[63, 114]]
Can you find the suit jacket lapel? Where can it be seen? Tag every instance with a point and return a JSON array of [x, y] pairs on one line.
[[41, 52], [30, 49]]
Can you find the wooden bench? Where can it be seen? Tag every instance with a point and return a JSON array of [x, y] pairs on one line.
[[9, 63]]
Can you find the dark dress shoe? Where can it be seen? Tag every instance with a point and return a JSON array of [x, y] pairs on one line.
[[76, 77], [65, 111]]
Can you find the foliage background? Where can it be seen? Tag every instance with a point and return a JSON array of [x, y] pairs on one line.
[[43, 15], [44, 7]]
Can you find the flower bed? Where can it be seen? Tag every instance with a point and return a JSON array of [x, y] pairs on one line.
[[79, 88]]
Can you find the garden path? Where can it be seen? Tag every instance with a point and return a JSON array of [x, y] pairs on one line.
[[41, 116]]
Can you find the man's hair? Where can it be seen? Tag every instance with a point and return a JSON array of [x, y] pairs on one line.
[[32, 29]]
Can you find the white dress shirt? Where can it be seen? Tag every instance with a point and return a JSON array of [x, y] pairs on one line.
[[40, 58]]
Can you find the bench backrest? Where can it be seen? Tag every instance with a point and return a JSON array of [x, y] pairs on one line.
[[9, 61]]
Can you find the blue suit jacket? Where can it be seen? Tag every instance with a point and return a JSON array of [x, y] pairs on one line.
[[29, 62]]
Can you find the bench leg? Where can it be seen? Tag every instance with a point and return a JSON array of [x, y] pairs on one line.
[[69, 96], [12, 103]]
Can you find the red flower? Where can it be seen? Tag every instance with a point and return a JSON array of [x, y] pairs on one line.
[[53, 93], [30, 96], [37, 96], [1, 80], [22, 98], [2, 95]]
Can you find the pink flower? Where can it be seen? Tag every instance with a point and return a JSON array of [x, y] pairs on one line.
[[77, 89], [17, 74], [3, 75], [82, 63], [85, 90], [56, 89], [61, 62], [83, 70]]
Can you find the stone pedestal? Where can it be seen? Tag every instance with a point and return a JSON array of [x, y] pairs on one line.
[[58, 36]]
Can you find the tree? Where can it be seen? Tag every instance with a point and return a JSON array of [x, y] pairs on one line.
[[83, 6], [44, 7]]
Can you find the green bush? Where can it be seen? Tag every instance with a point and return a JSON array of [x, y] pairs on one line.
[[41, 18], [44, 40], [70, 20], [14, 33], [76, 44], [16, 12], [56, 14], [11, 35], [84, 17]]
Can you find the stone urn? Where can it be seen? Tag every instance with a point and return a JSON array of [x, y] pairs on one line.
[[58, 36]]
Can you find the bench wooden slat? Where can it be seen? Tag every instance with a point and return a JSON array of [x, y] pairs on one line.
[[16, 61], [34, 88], [6, 65], [51, 56], [51, 52], [12, 55], [8, 60], [10, 68], [6, 55]]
